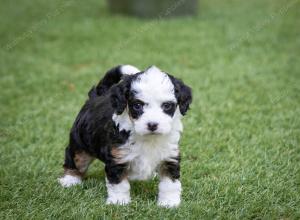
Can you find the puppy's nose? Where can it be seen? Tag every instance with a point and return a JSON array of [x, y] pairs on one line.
[[152, 126]]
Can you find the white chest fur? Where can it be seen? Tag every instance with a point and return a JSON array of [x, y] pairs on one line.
[[145, 153]]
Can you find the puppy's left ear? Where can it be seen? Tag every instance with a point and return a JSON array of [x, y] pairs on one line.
[[183, 95], [119, 95]]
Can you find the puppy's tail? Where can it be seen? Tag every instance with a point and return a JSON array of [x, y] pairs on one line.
[[113, 76]]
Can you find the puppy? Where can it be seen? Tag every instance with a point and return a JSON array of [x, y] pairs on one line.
[[132, 122]]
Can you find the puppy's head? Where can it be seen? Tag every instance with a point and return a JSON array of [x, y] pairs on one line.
[[152, 99]]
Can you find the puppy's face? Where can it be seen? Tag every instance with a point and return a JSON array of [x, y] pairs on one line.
[[152, 102], [154, 99]]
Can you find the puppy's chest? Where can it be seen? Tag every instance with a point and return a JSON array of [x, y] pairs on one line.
[[144, 157]]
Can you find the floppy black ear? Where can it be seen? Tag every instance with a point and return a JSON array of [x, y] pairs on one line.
[[119, 95], [183, 95]]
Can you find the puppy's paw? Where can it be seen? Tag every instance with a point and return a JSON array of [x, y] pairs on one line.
[[118, 194], [168, 203], [68, 180], [120, 200], [169, 193]]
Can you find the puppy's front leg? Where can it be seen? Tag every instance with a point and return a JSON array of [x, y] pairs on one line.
[[117, 184], [169, 185]]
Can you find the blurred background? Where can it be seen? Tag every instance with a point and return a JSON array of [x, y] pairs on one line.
[[240, 147]]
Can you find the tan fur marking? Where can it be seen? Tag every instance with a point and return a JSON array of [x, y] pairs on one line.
[[82, 161], [118, 154], [72, 172]]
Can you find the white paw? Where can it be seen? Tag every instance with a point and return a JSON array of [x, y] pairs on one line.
[[121, 200], [168, 203], [68, 180], [118, 194], [169, 193]]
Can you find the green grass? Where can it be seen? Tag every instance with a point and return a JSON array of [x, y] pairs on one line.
[[240, 147]]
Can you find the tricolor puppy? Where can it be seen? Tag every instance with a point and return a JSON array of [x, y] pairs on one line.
[[131, 122]]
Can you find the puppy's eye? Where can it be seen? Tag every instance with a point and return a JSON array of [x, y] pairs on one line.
[[137, 106], [166, 106]]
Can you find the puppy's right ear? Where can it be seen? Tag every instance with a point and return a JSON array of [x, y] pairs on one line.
[[119, 95]]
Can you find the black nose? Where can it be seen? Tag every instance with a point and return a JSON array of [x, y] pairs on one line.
[[152, 126]]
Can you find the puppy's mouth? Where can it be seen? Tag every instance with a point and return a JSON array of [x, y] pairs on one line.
[[150, 134], [154, 133]]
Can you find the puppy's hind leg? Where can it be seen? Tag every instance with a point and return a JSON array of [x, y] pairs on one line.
[[75, 166]]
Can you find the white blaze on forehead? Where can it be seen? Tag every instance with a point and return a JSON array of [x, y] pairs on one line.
[[154, 83]]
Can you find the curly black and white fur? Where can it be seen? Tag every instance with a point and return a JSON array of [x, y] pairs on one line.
[[131, 122]]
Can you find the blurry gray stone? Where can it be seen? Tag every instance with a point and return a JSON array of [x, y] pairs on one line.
[[154, 8]]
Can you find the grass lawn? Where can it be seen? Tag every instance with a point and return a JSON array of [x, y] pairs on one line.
[[240, 147]]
